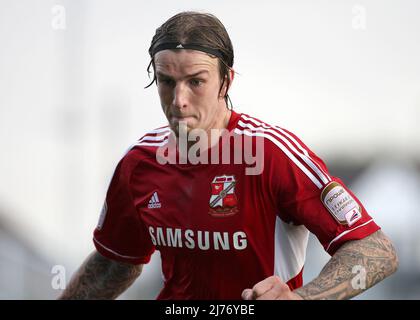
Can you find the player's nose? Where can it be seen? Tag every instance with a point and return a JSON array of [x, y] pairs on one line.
[[180, 96]]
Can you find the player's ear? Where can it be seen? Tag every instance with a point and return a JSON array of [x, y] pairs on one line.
[[226, 84], [231, 74]]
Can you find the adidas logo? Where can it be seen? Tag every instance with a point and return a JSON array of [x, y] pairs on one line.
[[154, 202]]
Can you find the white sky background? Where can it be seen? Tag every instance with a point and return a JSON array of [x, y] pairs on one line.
[[72, 100]]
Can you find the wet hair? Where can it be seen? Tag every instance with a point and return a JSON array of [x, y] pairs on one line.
[[202, 29]]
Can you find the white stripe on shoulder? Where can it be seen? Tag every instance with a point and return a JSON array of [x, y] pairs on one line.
[[152, 144], [155, 138], [282, 147], [304, 157], [159, 130], [259, 123], [278, 133], [304, 150]]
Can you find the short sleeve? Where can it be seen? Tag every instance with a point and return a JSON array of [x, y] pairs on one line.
[[120, 234], [308, 195]]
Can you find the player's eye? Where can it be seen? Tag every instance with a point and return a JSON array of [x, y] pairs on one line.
[[196, 82], [165, 81]]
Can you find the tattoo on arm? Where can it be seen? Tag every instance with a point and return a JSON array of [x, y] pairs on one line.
[[101, 278], [375, 254]]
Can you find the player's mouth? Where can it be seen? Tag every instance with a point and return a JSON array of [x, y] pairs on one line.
[[181, 118], [177, 120]]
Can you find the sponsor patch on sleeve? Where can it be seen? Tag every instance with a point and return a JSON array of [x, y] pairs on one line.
[[341, 204]]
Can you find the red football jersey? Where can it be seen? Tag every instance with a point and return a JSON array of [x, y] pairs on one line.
[[219, 229]]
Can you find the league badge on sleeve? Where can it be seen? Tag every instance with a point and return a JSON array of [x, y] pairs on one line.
[[223, 199], [341, 204]]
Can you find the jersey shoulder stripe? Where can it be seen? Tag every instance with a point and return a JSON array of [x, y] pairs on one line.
[[154, 138], [288, 144], [157, 137]]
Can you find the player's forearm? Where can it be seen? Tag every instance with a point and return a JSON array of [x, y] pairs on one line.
[[355, 267], [101, 278]]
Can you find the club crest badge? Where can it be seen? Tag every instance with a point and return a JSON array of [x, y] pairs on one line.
[[223, 201]]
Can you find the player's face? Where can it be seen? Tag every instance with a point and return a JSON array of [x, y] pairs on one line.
[[188, 83]]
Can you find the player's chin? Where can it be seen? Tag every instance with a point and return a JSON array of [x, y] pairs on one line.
[[183, 126], [180, 130]]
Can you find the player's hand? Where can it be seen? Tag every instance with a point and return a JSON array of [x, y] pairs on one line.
[[271, 288]]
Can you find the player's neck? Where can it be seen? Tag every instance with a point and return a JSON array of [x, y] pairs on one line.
[[217, 128], [213, 134], [223, 120]]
